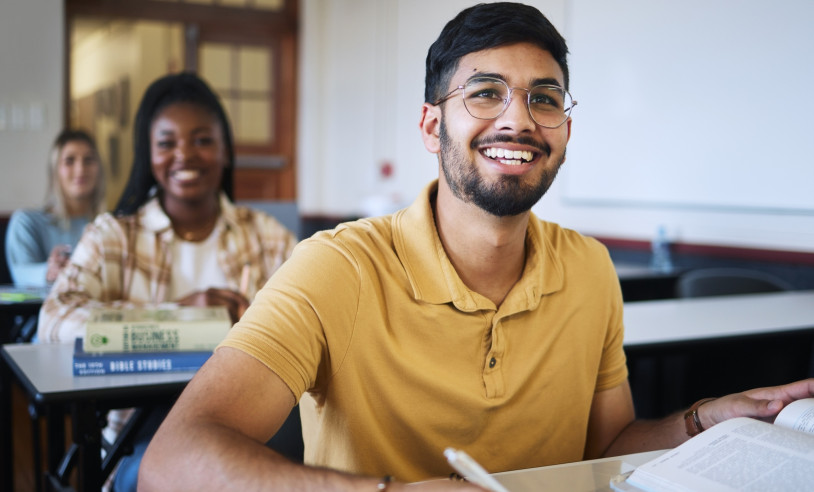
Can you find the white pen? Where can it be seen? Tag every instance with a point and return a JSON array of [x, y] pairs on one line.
[[471, 470]]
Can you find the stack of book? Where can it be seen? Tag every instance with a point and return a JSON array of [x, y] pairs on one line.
[[127, 341]]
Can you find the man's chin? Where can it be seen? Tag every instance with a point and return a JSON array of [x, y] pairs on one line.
[[508, 197], [505, 206]]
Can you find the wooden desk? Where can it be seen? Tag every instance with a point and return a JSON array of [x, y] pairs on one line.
[[45, 374], [583, 476], [681, 350]]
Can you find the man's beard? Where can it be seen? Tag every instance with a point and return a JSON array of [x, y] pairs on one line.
[[509, 195]]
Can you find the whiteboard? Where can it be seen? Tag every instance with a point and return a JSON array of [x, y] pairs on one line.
[[700, 103]]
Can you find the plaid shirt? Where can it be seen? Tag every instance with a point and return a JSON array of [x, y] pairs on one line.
[[118, 252]]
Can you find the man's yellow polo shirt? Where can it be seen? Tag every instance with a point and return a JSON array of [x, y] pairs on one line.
[[398, 359]]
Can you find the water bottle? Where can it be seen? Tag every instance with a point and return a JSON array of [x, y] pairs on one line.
[[660, 260]]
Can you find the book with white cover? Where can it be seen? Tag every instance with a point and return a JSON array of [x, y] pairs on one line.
[[162, 329], [740, 454]]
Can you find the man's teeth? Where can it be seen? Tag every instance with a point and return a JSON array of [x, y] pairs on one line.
[[186, 174], [510, 157]]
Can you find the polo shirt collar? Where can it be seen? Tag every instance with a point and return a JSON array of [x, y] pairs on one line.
[[434, 279]]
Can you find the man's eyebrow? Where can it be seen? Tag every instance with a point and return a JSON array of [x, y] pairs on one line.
[[493, 75], [534, 82], [546, 81]]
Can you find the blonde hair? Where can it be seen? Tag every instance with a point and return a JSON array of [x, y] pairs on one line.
[[55, 200]]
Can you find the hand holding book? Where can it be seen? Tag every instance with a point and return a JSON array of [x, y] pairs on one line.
[[738, 454], [759, 403]]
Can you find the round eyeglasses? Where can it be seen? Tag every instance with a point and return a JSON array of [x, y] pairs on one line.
[[486, 98]]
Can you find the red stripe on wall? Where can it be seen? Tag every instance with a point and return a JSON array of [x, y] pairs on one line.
[[770, 255]]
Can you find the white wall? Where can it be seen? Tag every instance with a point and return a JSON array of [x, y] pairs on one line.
[[31, 112], [357, 54], [695, 115], [356, 57]]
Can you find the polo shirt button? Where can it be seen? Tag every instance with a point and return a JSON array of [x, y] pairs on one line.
[[492, 362]]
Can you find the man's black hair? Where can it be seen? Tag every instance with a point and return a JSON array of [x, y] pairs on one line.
[[485, 26], [176, 88]]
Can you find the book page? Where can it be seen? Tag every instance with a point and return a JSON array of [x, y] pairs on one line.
[[738, 454], [798, 415]]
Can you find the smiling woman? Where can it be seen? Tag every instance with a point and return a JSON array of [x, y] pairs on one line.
[[188, 159], [175, 237], [175, 234], [39, 242]]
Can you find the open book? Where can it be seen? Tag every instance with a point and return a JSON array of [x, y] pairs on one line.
[[738, 454]]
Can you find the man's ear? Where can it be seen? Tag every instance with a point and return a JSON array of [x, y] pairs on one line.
[[568, 136], [430, 126]]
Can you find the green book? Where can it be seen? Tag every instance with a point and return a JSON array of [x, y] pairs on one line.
[[156, 329]]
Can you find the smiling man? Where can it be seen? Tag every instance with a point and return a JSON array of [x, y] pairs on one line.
[[463, 320]]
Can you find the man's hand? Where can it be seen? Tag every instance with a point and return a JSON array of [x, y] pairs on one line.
[[235, 302], [759, 403]]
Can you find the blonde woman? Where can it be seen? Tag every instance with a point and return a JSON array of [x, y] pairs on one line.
[[39, 241]]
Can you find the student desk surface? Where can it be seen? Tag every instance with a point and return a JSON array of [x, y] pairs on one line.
[[45, 374], [682, 350], [696, 319], [582, 476]]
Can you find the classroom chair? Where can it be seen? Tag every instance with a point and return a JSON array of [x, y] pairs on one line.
[[728, 281]]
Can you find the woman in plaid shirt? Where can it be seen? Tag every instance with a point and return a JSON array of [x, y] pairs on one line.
[[176, 236]]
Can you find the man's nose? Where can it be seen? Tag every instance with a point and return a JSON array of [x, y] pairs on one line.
[[517, 115]]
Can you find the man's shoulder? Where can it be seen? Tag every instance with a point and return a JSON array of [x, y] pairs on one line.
[[364, 229], [563, 237], [576, 254], [361, 237]]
